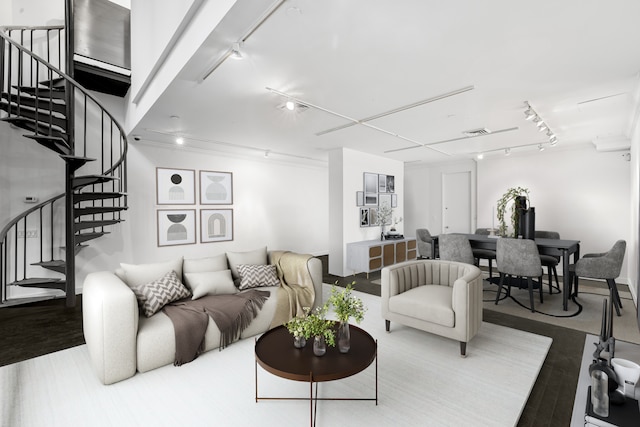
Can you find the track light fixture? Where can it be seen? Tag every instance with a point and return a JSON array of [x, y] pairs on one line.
[[507, 151], [540, 147], [236, 53], [530, 114]]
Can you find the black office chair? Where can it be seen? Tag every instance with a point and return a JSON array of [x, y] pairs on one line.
[[488, 254], [549, 261]]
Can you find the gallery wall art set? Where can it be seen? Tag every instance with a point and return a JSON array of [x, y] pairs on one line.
[[379, 191], [178, 187]]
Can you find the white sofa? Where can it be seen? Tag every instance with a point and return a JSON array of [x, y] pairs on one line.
[[121, 340], [436, 296]]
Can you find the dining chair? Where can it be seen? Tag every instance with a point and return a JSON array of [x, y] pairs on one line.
[[605, 266], [455, 247], [519, 258], [549, 261], [480, 253], [423, 238]]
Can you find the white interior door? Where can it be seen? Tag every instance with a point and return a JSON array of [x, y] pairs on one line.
[[456, 202]]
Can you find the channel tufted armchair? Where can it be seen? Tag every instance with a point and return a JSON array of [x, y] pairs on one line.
[[436, 296]]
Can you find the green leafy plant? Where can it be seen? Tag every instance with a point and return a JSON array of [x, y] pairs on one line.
[[510, 195], [313, 324], [345, 304]]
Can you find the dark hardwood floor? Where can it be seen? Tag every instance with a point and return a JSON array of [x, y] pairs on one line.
[[39, 328]]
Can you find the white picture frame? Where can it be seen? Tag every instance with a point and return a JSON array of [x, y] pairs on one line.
[[175, 186], [216, 188], [216, 225], [176, 227]]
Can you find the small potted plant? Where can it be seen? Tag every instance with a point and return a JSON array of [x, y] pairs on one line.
[[314, 325], [295, 327], [346, 305]]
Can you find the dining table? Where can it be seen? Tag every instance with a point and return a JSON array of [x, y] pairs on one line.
[[562, 248]]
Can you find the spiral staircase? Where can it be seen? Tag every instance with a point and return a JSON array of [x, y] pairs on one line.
[[38, 247]]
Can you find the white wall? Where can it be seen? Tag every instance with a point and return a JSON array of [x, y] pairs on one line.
[[633, 247], [581, 193], [32, 12], [423, 194], [344, 224], [280, 206]]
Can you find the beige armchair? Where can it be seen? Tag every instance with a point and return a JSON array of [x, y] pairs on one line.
[[436, 296]]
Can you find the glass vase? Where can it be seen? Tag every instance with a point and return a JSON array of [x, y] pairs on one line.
[[319, 346], [299, 342], [344, 337]]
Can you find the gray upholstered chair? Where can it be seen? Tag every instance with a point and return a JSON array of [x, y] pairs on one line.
[[519, 258], [480, 253], [455, 247], [439, 297], [549, 261], [423, 238], [606, 266]]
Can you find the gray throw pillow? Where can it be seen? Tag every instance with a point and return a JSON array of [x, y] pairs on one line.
[[257, 256], [160, 292], [255, 276]]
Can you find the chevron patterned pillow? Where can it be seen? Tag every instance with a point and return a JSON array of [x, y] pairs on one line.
[[155, 295], [254, 276]]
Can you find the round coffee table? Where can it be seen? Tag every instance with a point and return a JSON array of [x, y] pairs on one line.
[[276, 354]]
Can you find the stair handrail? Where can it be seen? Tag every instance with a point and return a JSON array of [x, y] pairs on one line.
[[25, 214], [77, 86]]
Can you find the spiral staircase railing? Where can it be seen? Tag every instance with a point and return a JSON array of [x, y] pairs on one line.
[[38, 96]]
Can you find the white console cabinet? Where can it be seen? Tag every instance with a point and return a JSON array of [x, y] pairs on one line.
[[372, 255]]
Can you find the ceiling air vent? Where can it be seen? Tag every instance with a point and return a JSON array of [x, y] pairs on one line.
[[477, 132]]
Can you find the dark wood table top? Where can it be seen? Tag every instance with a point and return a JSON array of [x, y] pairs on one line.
[[275, 352]]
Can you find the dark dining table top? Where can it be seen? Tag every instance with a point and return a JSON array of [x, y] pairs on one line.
[[549, 244]]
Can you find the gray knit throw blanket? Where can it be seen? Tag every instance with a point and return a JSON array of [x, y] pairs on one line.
[[232, 314]]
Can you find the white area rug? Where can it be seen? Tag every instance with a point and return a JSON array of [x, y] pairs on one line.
[[422, 381]]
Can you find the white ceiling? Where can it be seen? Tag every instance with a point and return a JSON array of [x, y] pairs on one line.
[[575, 61]]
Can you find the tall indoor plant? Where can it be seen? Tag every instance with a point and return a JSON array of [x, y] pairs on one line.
[[511, 195]]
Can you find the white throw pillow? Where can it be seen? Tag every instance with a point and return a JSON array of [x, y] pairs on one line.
[[160, 292], [210, 283], [258, 256], [255, 276], [145, 273], [201, 265]]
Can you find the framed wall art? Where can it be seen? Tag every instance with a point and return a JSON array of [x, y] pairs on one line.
[[391, 183], [382, 183], [216, 188], [370, 182], [176, 227], [359, 198], [216, 225], [364, 217], [175, 186]]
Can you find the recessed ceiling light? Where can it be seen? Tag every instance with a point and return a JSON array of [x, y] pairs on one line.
[[480, 156], [290, 105], [179, 140]]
